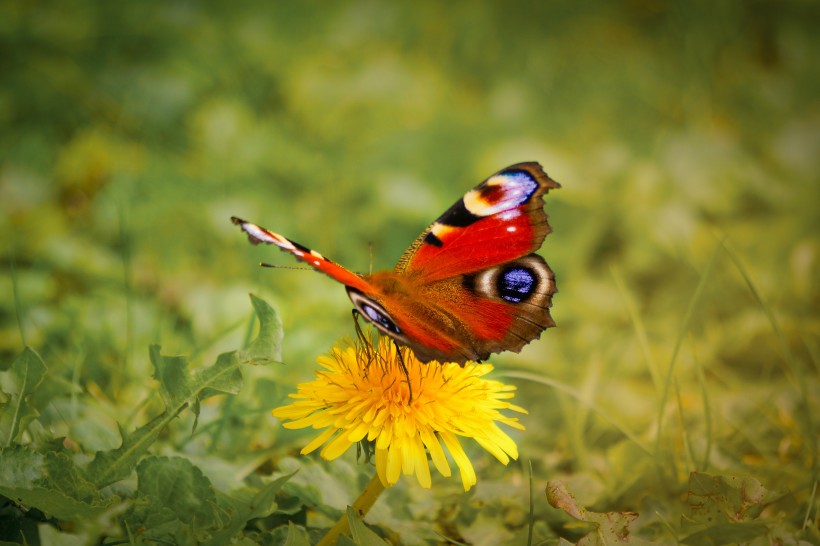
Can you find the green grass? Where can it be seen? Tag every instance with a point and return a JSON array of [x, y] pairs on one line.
[[680, 384]]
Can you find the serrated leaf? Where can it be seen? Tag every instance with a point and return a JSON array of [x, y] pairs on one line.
[[362, 535], [152, 521], [117, 464], [243, 509], [179, 387], [224, 377], [175, 483], [175, 503], [608, 527], [51, 483], [20, 381], [267, 346], [173, 376]]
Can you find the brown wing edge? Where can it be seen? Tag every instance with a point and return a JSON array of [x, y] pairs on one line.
[[532, 317]]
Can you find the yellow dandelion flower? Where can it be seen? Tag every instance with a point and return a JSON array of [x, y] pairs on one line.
[[363, 394]]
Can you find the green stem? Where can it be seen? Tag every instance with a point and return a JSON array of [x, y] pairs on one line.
[[362, 505]]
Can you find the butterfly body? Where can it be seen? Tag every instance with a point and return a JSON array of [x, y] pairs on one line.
[[470, 284]]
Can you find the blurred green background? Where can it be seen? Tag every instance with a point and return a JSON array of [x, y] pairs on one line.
[[686, 137]]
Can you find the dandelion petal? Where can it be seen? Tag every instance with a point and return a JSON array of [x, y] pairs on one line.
[[362, 393]]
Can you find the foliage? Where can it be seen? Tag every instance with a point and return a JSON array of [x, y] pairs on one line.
[[173, 500], [677, 399]]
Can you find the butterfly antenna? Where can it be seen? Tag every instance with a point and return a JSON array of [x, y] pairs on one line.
[[359, 332], [404, 369], [275, 266]]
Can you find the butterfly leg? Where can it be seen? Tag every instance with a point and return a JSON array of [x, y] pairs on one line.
[[404, 369], [366, 344], [368, 347]]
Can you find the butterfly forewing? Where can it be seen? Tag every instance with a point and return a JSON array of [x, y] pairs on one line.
[[257, 235], [499, 220]]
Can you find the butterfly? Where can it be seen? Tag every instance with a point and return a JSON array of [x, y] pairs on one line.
[[470, 285]]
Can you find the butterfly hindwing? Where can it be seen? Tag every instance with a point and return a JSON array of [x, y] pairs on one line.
[[463, 317]]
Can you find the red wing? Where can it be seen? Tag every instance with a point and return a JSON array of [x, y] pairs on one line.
[[500, 220], [335, 271], [464, 317]]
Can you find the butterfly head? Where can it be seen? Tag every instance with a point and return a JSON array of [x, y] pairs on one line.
[[376, 314]]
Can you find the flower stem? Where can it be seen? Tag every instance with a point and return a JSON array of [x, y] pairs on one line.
[[362, 505]]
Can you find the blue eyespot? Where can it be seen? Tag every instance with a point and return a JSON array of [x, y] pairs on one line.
[[376, 317], [516, 284], [522, 185]]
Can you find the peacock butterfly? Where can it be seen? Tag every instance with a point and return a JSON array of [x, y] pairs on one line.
[[470, 284]]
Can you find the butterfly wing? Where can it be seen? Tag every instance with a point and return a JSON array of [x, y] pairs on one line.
[[257, 234], [469, 285], [464, 317], [499, 220]]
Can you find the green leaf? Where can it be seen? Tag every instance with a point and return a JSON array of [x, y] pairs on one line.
[[725, 498], [56, 537], [179, 388], [20, 381], [606, 528], [321, 487], [297, 536], [362, 535], [176, 484], [176, 503], [242, 507], [50, 482], [117, 464], [172, 374], [264, 501], [267, 346], [153, 522], [721, 509], [727, 533]]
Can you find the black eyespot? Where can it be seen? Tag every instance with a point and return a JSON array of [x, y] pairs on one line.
[[376, 317], [516, 284]]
